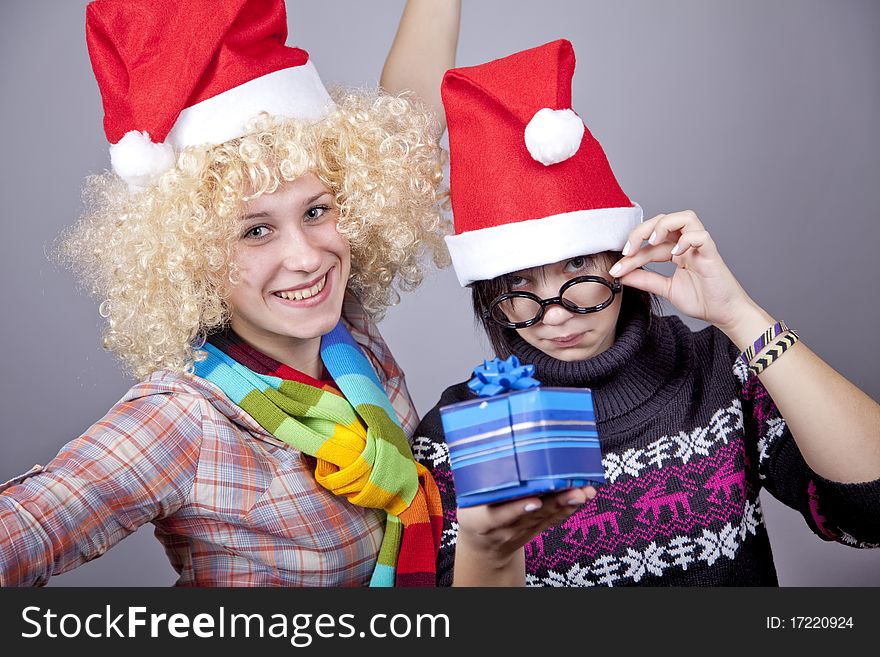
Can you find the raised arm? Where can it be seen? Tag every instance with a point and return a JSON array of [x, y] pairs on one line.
[[836, 426], [422, 51]]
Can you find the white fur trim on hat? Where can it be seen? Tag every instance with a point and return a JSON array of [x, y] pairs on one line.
[[483, 254], [296, 92], [553, 136], [138, 160]]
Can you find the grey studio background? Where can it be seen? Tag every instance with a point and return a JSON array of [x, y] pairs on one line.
[[761, 116]]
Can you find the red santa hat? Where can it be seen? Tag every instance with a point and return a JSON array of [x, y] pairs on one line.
[[175, 74], [529, 184]]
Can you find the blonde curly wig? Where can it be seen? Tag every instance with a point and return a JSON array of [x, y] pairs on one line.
[[162, 260]]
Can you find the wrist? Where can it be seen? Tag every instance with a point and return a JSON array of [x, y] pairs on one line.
[[474, 567], [479, 550], [749, 321]]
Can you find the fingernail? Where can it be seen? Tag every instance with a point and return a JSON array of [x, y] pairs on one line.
[[626, 248], [574, 502], [531, 506], [674, 250], [615, 269], [652, 238]]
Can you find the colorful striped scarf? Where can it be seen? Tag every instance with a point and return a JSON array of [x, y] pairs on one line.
[[372, 465]]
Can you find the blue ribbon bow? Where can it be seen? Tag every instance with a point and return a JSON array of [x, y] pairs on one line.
[[496, 376]]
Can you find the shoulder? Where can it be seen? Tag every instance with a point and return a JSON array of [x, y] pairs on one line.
[[430, 425], [713, 351], [161, 406], [177, 402], [158, 425], [429, 439], [165, 390], [706, 357], [455, 393], [162, 383], [718, 354]]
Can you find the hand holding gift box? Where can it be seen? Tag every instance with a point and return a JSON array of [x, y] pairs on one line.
[[519, 439]]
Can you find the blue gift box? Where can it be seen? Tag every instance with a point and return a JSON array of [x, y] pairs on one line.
[[526, 442]]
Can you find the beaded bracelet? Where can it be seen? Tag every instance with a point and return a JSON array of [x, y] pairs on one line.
[[749, 354], [778, 348]]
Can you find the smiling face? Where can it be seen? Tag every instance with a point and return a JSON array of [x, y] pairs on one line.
[[293, 268], [562, 334]]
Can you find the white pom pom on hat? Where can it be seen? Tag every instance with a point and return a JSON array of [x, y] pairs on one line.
[[510, 213], [553, 136], [139, 161]]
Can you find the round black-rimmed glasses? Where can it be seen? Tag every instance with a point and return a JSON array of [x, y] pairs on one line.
[[582, 295]]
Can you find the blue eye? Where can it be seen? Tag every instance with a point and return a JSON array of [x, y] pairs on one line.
[[316, 212], [576, 264], [256, 232]]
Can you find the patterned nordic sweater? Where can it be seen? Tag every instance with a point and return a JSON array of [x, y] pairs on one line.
[[688, 441]]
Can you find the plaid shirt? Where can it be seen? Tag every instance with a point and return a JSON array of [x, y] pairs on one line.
[[233, 505]]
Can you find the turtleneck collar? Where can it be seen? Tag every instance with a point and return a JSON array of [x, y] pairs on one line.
[[639, 372]]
